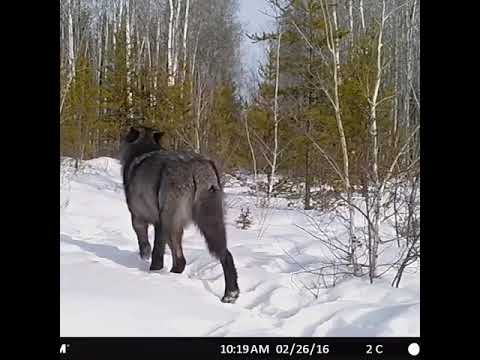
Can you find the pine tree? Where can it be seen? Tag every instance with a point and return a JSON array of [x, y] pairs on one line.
[[244, 220]]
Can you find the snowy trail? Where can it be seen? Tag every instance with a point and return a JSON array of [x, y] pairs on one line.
[[107, 290]]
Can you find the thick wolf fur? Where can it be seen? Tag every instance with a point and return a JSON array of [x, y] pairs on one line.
[[170, 190]]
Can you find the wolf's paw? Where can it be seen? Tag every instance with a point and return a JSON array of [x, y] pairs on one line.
[[231, 296], [156, 267], [179, 266]]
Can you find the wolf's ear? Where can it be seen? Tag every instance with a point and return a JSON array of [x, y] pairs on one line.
[[157, 136], [132, 135]]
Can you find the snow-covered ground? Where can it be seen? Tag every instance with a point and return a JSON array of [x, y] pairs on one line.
[[107, 290]]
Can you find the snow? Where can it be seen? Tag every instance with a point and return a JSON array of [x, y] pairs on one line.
[[107, 290]]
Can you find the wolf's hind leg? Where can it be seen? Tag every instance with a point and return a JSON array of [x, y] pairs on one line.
[[158, 247], [141, 229], [178, 259]]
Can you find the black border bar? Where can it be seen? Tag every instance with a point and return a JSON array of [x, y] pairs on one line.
[[238, 348]]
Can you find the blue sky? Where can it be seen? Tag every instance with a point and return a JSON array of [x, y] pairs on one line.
[[253, 20]]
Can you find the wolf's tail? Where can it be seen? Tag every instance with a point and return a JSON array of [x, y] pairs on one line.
[[212, 163], [208, 216]]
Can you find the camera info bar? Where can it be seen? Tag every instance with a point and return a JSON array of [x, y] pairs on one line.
[[241, 348]]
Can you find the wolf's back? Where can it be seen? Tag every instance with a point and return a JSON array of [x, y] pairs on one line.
[[189, 181], [172, 176]]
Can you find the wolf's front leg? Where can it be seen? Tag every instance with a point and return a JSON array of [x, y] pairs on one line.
[[158, 248], [141, 229]]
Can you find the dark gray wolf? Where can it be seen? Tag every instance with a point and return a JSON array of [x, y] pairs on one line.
[[169, 190]]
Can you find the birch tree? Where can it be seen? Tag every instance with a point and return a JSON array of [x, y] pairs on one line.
[[70, 56], [333, 47], [185, 38], [170, 49], [275, 120], [374, 101], [128, 37]]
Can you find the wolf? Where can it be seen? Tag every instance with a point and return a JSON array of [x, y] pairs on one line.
[[170, 190]]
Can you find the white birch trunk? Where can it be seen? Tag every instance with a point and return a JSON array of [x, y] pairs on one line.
[[350, 22], [171, 78], [410, 15], [275, 121], [100, 54], [156, 62], [70, 58], [336, 41], [71, 51], [194, 57], [185, 37], [106, 41], [149, 52], [128, 40], [396, 68], [117, 23], [175, 40], [254, 160], [373, 251], [362, 15], [332, 44]]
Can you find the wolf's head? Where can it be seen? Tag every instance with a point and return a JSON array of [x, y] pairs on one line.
[[139, 140]]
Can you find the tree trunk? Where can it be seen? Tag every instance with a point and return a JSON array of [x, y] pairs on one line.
[[362, 15], [394, 136], [175, 42], [254, 160], [410, 16], [171, 35], [71, 52], [332, 43], [198, 115], [308, 178], [350, 22], [275, 121], [128, 37], [185, 33], [373, 251], [175, 32]]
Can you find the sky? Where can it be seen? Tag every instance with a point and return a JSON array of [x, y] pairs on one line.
[[253, 20]]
